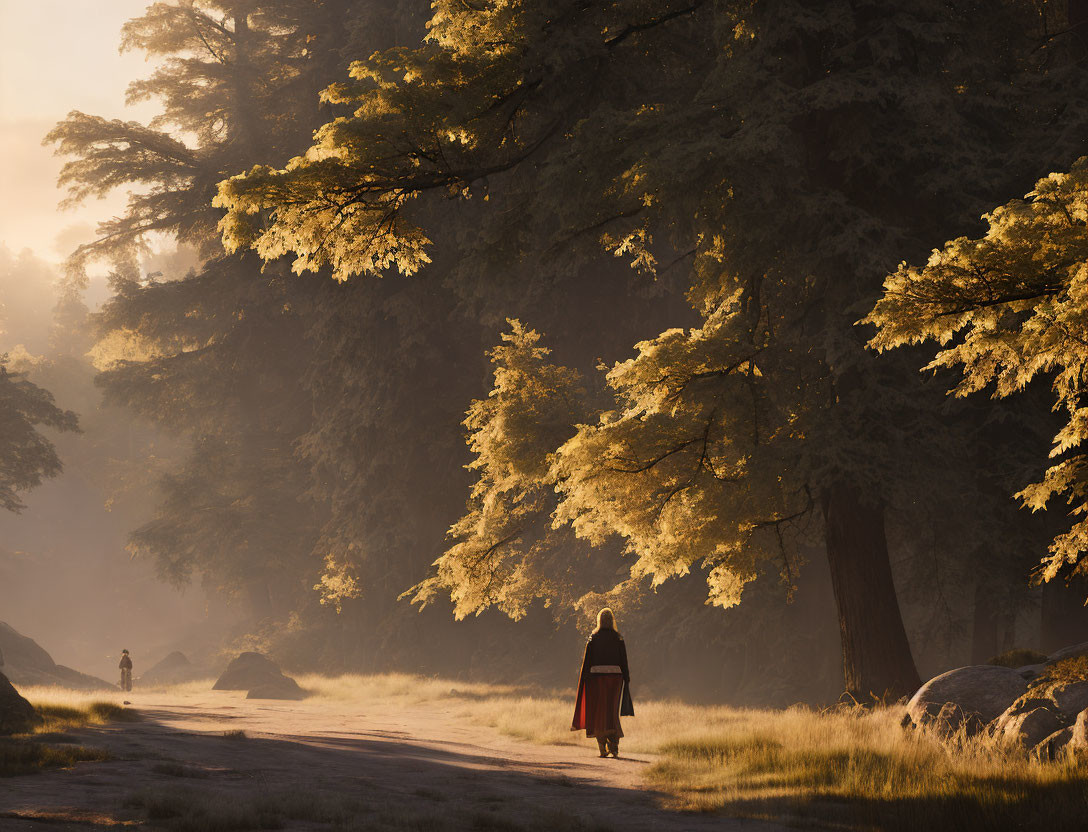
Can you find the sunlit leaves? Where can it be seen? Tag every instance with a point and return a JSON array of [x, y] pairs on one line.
[[670, 470], [499, 86], [1007, 308], [503, 539]]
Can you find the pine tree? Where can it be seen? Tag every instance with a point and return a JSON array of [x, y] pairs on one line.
[[1008, 308], [28, 455], [505, 551], [216, 355], [780, 148]]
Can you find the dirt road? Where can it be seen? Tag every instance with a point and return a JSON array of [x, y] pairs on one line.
[[320, 765]]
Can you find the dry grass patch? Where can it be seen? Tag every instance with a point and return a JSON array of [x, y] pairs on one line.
[[852, 768], [47, 746], [546, 720], [62, 709], [20, 756], [60, 718], [861, 770], [404, 687], [535, 715]]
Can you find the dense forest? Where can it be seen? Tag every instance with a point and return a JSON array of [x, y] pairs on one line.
[[431, 328]]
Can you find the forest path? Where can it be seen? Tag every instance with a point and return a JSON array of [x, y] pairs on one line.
[[411, 766]]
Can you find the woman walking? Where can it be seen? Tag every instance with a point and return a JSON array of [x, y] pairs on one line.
[[604, 687]]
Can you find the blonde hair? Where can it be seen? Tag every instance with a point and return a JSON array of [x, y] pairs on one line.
[[606, 620]]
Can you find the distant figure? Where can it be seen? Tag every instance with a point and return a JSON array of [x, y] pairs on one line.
[[604, 687], [126, 671]]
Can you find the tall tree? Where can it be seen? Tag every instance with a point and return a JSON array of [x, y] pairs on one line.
[[1007, 309], [215, 355], [780, 147], [27, 457]]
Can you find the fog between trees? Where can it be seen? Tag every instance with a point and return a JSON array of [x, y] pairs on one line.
[[622, 250]]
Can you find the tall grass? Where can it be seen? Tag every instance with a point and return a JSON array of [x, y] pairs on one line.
[[862, 770], [851, 767]]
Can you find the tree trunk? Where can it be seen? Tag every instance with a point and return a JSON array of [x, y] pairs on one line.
[[876, 658]]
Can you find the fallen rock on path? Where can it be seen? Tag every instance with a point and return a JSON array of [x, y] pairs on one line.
[[260, 676], [247, 671], [285, 688]]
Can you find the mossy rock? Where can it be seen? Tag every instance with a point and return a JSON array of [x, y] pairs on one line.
[[1018, 657]]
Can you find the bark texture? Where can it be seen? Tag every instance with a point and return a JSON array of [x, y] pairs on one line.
[[876, 658]]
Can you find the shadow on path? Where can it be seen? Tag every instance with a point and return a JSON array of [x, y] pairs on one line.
[[363, 779]]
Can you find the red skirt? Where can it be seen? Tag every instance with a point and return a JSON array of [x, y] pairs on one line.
[[598, 706]]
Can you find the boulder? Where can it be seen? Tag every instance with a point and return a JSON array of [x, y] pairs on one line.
[[172, 670], [1031, 671], [283, 688], [249, 671], [1078, 737], [985, 690], [16, 714], [951, 718], [1071, 697], [26, 663], [1028, 724], [1073, 739], [1070, 652], [260, 676], [1051, 747], [1064, 684]]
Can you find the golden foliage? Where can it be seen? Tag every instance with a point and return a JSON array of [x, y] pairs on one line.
[[502, 539], [1007, 308], [669, 469]]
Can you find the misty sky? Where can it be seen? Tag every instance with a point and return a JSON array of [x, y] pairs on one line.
[[58, 55]]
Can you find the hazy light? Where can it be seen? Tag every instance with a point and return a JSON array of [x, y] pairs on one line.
[[56, 56]]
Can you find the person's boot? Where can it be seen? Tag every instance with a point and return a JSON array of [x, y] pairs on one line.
[[614, 746], [602, 746]]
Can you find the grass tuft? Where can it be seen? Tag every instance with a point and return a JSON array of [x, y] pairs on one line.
[[61, 718], [20, 756]]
